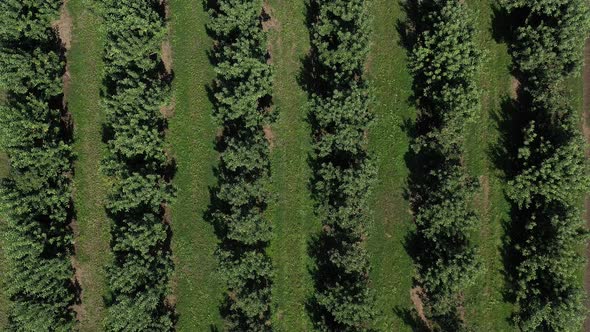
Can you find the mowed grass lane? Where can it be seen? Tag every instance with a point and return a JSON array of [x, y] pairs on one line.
[[485, 305], [91, 228], [197, 288], [392, 268], [292, 210]]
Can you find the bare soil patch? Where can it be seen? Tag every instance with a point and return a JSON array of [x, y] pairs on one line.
[[270, 136], [369, 63], [514, 86], [64, 26], [167, 110], [166, 5], [416, 295], [167, 56], [79, 275], [66, 81], [269, 22]]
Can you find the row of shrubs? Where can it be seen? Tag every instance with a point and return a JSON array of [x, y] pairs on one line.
[[445, 61], [36, 197], [343, 172], [551, 173], [136, 87], [242, 98]]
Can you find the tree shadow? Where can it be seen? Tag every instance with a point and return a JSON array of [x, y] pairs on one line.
[[502, 28], [317, 313], [411, 319], [407, 28]]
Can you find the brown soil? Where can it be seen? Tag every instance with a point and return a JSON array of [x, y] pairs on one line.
[[64, 29], [270, 22], [167, 56], [171, 299], [514, 86], [270, 136], [461, 308], [416, 296], [64, 26], [218, 135], [166, 5], [167, 110], [586, 130], [78, 307], [66, 81]]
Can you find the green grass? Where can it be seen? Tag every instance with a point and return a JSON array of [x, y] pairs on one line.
[[292, 213], [191, 134], [392, 269], [485, 307], [574, 86], [90, 186]]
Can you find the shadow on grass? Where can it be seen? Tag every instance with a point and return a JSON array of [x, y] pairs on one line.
[[411, 319], [510, 120]]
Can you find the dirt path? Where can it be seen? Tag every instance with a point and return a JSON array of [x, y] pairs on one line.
[[586, 128]]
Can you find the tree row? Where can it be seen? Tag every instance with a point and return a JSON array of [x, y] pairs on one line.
[[343, 172], [551, 173], [445, 62], [36, 198], [242, 98], [135, 90]]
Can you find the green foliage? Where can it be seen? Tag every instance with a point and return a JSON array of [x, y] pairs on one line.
[[36, 198], [549, 39], [552, 172], [135, 90], [448, 262], [340, 38], [343, 171], [445, 63], [553, 176], [242, 94]]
